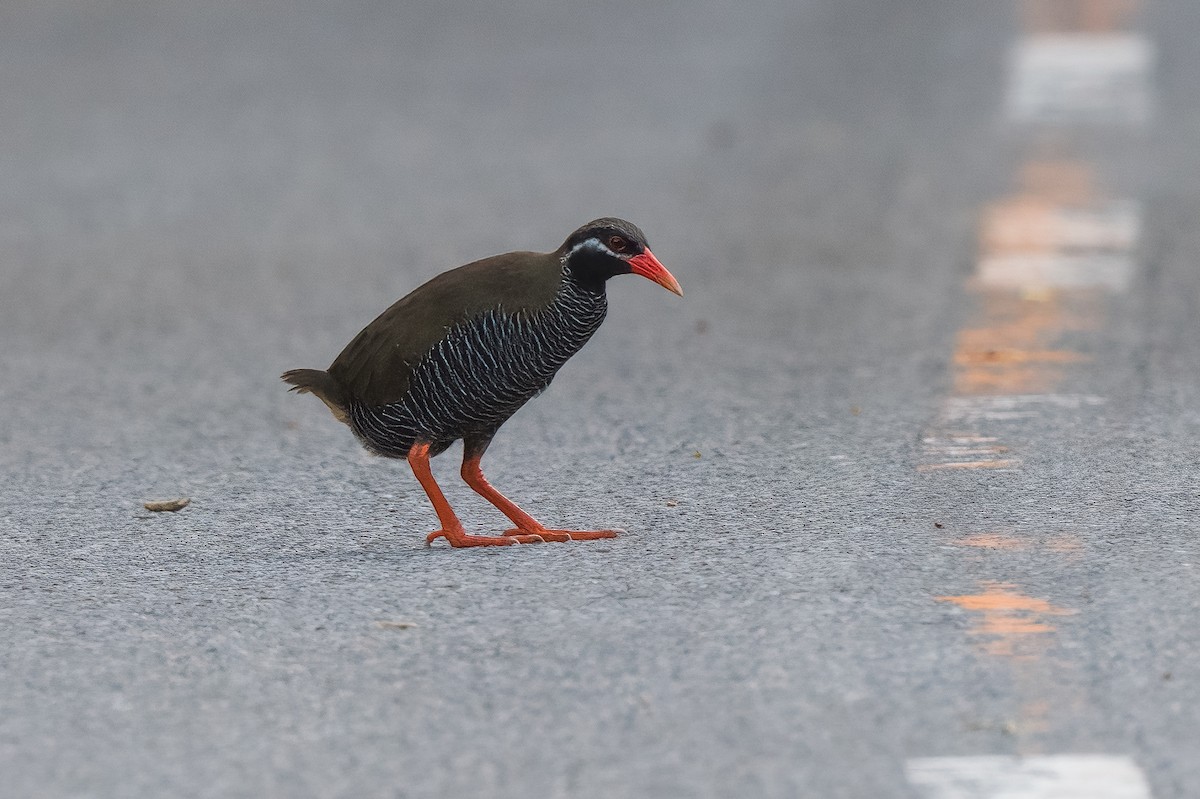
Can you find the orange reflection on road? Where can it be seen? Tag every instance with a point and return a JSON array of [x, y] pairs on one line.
[[1015, 347], [1077, 16], [1035, 288], [1011, 351], [1061, 544], [992, 541], [1065, 544], [998, 463], [1007, 617]]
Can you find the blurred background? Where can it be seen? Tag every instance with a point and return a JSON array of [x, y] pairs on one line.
[[172, 168]]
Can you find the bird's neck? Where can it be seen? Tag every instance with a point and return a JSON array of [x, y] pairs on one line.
[[584, 281], [580, 303]]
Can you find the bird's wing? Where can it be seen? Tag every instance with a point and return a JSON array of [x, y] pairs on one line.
[[376, 366]]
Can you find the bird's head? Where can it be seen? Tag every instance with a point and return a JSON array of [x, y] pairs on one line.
[[610, 246]]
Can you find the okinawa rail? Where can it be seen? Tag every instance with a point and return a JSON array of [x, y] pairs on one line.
[[461, 354]]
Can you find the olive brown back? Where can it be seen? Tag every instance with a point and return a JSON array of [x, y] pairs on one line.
[[376, 366]]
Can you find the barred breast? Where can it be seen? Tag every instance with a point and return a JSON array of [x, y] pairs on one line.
[[481, 373]]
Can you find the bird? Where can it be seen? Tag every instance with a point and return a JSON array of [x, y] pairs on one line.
[[458, 356]]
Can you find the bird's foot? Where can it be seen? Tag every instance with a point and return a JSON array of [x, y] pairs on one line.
[[457, 538], [560, 536]]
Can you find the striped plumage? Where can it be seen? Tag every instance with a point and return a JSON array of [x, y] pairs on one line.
[[484, 369], [461, 354]]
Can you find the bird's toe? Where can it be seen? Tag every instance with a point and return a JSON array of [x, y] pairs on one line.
[[561, 536]]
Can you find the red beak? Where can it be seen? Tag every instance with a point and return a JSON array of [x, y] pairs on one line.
[[646, 265]]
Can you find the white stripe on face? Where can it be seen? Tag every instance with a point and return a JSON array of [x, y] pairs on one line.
[[594, 244]]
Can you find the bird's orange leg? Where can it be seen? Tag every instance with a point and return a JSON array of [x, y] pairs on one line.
[[525, 524], [452, 529]]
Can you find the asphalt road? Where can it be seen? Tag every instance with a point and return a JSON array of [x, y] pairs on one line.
[[849, 547]]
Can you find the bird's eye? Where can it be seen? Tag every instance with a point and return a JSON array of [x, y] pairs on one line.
[[617, 244]]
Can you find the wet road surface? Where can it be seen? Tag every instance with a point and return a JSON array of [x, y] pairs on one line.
[[908, 476]]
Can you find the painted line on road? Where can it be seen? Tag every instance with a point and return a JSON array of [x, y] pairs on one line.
[[1053, 255], [1035, 777], [993, 541], [1007, 465], [1077, 16], [1050, 256], [1080, 77], [1005, 615], [1034, 272], [1062, 544], [1052, 252]]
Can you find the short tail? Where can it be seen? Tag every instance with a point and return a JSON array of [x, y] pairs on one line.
[[318, 382]]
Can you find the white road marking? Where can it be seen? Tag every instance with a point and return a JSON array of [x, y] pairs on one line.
[[944, 450], [1081, 77], [1040, 777], [1003, 465], [1111, 226], [1039, 271], [1062, 247], [1016, 406], [964, 446], [964, 452]]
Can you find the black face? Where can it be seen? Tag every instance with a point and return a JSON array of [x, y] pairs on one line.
[[600, 249]]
